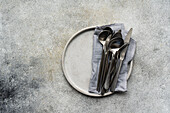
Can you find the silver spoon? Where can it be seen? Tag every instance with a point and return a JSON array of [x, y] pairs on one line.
[[104, 38]]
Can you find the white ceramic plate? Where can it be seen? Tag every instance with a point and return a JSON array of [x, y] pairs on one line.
[[76, 61]]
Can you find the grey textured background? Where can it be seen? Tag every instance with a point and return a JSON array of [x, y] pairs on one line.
[[33, 34]]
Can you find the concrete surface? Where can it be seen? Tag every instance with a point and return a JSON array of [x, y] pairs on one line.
[[33, 34]]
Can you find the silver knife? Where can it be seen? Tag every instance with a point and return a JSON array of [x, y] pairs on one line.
[[122, 56]]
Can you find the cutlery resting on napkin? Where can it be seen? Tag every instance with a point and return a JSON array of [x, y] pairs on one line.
[[98, 81]]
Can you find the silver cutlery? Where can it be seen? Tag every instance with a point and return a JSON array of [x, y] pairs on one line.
[[122, 55]]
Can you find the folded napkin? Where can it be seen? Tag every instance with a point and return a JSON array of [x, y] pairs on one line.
[[97, 54]]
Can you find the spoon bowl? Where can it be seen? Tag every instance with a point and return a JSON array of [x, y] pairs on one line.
[[109, 29], [115, 44], [103, 36]]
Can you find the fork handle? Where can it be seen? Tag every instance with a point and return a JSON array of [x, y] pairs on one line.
[[114, 81]]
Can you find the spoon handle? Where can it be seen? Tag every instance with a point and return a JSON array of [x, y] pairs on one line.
[[100, 72], [106, 65]]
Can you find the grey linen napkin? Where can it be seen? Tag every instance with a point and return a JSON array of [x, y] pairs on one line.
[[96, 59]]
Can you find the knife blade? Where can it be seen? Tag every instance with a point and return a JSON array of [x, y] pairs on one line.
[[122, 56]]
